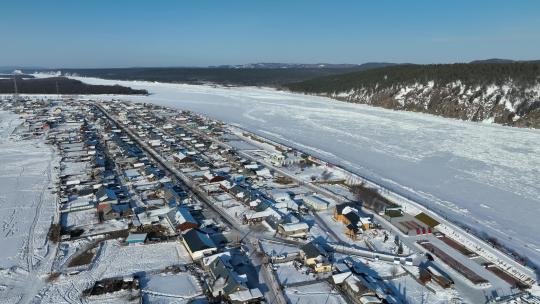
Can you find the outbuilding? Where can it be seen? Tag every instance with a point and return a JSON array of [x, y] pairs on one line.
[[316, 203], [136, 238], [293, 230]]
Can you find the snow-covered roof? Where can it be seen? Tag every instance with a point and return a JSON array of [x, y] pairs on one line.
[[349, 209], [136, 237], [261, 214], [182, 215], [265, 172], [294, 227], [316, 201], [179, 155], [246, 295]]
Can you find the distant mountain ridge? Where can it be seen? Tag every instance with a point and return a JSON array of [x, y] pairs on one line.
[[493, 60], [501, 92], [264, 65], [499, 60]]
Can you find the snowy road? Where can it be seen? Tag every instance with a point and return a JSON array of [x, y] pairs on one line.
[[484, 175]]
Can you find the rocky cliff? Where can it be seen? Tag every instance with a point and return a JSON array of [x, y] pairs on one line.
[[502, 93]]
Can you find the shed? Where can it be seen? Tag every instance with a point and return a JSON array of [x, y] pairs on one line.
[[293, 230], [316, 203], [136, 238]]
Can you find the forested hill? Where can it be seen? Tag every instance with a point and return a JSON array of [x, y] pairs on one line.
[[246, 75], [506, 93], [62, 85]]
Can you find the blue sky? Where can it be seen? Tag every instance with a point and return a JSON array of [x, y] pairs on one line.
[[121, 33]]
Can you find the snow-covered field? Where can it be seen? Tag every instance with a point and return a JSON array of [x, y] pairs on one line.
[[171, 288], [27, 207], [484, 175], [114, 260], [314, 294]]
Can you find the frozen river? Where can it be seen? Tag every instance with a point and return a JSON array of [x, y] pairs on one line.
[[484, 175]]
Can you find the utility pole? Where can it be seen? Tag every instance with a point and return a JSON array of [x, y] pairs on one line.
[[16, 91]]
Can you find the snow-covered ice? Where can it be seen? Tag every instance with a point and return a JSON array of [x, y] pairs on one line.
[[484, 175]]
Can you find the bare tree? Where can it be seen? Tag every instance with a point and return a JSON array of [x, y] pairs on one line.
[[370, 197]]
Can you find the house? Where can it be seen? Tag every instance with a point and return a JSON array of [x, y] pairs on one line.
[[201, 164], [171, 197], [182, 219], [152, 216], [225, 185], [362, 290], [154, 203], [251, 195], [315, 256], [212, 177], [316, 203], [252, 167], [212, 189], [136, 238], [237, 191], [132, 174], [106, 196], [154, 142], [109, 212], [341, 210], [293, 230], [181, 158], [264, 172], [198, 244], [257, 217], [254, 204], [339, 278], [350, 217], [226, 284]]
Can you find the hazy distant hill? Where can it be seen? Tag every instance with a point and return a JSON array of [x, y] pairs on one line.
[[64, 85], [18, 76], [502, 92], [499, 60], [266, 65], [10, 69], [493, 60], [263, 74]]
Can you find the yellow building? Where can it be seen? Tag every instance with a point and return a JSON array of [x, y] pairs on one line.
[[315, 256]]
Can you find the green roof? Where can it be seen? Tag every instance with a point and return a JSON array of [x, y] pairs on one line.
[[426, 219]]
